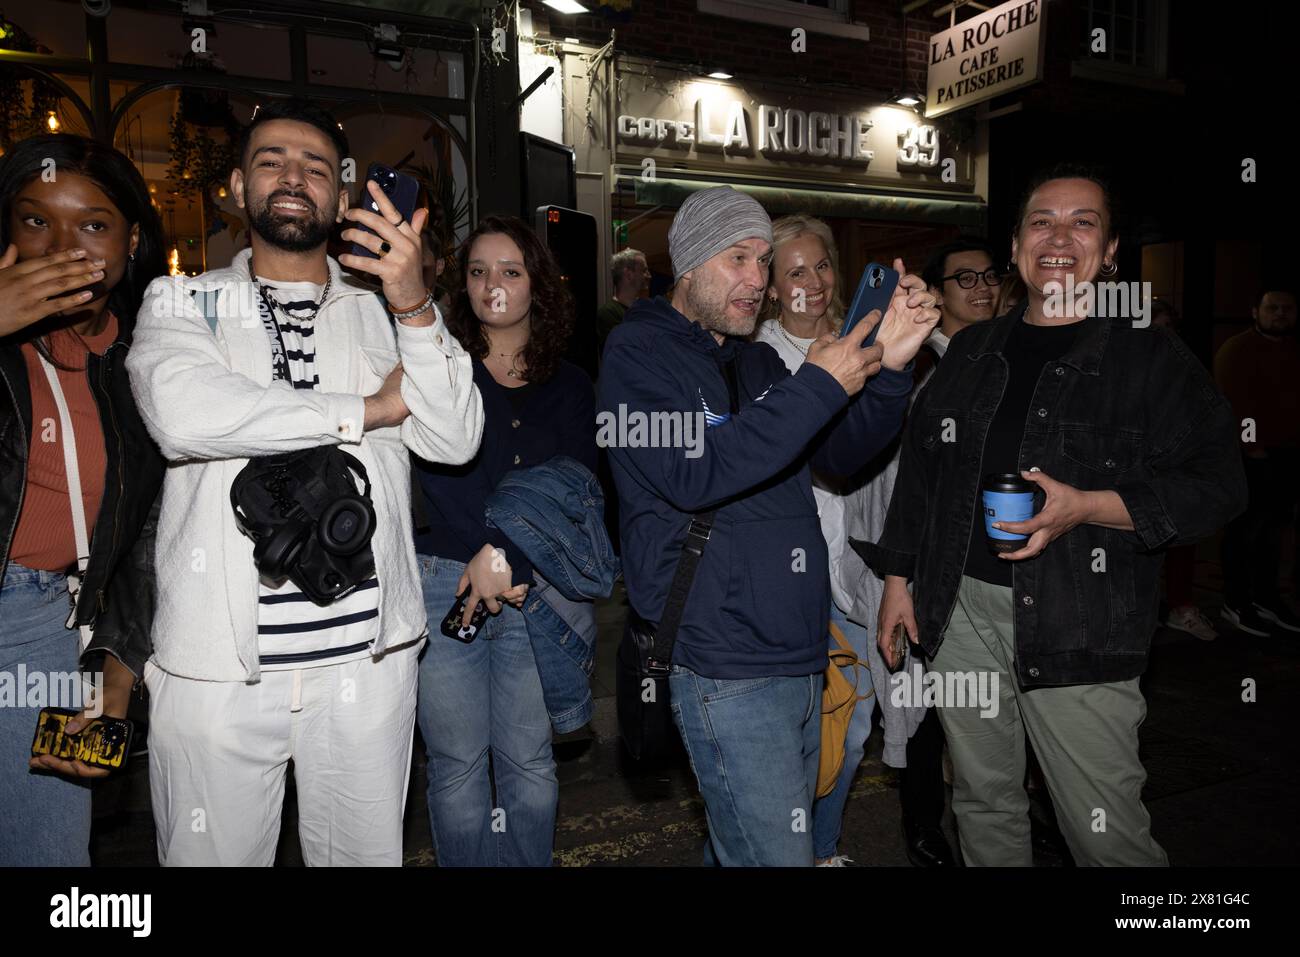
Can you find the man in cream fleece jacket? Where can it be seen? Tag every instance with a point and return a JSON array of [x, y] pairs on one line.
[[279, 352]]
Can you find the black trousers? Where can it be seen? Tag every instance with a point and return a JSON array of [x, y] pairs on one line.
[[1252, 542], [921, 782]]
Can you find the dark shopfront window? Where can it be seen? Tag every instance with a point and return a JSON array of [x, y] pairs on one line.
[[174, 111]]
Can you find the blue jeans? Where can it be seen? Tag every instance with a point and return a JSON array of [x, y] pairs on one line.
[[44, 817], [753, 745], [828, 812], [479, 699]]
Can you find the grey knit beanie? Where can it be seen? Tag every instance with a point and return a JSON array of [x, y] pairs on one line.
[[711, 220]]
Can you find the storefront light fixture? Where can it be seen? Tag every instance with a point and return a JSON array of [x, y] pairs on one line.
[[387, 47], [719, 75], [52, 122], [566, 6], [909, 99]]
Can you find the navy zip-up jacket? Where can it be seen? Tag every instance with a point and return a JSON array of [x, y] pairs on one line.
[[760, 602]]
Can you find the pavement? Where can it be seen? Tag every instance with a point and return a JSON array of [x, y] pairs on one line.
[[1222, 771]]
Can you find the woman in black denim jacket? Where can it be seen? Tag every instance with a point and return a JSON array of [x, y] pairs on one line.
[[1132, 450]]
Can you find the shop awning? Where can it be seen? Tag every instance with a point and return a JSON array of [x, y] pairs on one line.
[[858, 204]]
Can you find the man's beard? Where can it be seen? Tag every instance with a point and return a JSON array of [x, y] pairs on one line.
[[712, 315], [290, 233], [1275, 326]]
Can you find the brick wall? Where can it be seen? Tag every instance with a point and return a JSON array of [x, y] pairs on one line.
[[675, 30]]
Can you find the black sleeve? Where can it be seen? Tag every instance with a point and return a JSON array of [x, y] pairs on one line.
[[123, 627]]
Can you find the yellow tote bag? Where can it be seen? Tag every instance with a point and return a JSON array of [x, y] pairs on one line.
[[839, 698]]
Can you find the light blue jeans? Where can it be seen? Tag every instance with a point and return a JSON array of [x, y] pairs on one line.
[[478, 700], [828, 812], [44, 817], [753, 745]]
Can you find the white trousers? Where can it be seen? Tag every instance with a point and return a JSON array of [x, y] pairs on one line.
[[219, 752]]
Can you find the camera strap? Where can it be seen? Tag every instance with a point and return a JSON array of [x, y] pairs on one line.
[[79, 532], [279, 353], [270, 306], [659, 660]]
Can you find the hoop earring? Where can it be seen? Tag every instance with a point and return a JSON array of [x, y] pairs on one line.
[[1109, 268], [1011, 266]]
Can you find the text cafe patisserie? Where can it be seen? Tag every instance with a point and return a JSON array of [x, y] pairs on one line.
[[987, 55]]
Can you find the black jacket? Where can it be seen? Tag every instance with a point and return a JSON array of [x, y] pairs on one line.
[[1125, 409], [117, 595]]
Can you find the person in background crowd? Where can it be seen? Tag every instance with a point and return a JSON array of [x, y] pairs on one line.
[[437, 268], [802, 304], [1180, 561], [1259, 371], [631, 280], [1011, 292], [1130, 446], [963, 276], [78, 251], [747, 666], [483, 699], [283, 352]]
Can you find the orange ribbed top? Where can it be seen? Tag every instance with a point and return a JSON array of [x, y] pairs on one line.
[[44, 537]]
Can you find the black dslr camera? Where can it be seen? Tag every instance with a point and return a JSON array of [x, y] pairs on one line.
[[307, 520]]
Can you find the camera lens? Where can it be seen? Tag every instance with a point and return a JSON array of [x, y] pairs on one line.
[[346, 526], [343, 527]]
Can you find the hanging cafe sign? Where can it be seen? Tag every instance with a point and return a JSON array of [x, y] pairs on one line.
[[996, 52]]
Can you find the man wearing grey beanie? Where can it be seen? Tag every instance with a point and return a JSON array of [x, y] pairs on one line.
[[728, 473]]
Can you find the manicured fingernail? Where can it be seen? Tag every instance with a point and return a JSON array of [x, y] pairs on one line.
[[85, 295], [97, 274], [99, 262], [77, 253]]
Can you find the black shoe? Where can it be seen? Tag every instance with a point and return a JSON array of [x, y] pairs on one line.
[[1044, 835], [927, 847], [1279, 614], [1246, 619]]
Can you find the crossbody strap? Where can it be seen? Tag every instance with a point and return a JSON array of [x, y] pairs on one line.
[[79, 532], [660, 658]]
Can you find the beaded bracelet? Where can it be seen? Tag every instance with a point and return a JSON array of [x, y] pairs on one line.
[[422, 307]]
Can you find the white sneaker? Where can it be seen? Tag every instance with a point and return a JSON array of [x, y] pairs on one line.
[[1192, 620], [839, 860]]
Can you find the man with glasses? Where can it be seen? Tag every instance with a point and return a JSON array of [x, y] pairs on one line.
[[961, 274]]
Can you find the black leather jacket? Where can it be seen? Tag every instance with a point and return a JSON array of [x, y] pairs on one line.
[[117, 594], [1125, 409]]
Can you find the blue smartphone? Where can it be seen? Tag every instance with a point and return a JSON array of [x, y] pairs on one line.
[[875, 290], [402, 191]]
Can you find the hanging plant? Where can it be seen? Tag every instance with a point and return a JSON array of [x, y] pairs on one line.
[[448, 213], [200, 163], [25, 99]]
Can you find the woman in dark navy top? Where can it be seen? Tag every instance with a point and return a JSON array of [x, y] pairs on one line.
[[484, 697]]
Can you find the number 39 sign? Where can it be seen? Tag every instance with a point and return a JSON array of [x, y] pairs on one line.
[[920, 147]]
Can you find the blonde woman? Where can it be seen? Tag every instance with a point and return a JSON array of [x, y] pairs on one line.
[[803, 302]]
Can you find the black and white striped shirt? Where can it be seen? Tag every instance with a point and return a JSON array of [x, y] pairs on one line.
[[293, 631]]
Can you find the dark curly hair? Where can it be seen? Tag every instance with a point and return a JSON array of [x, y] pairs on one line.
[[551, 311]]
